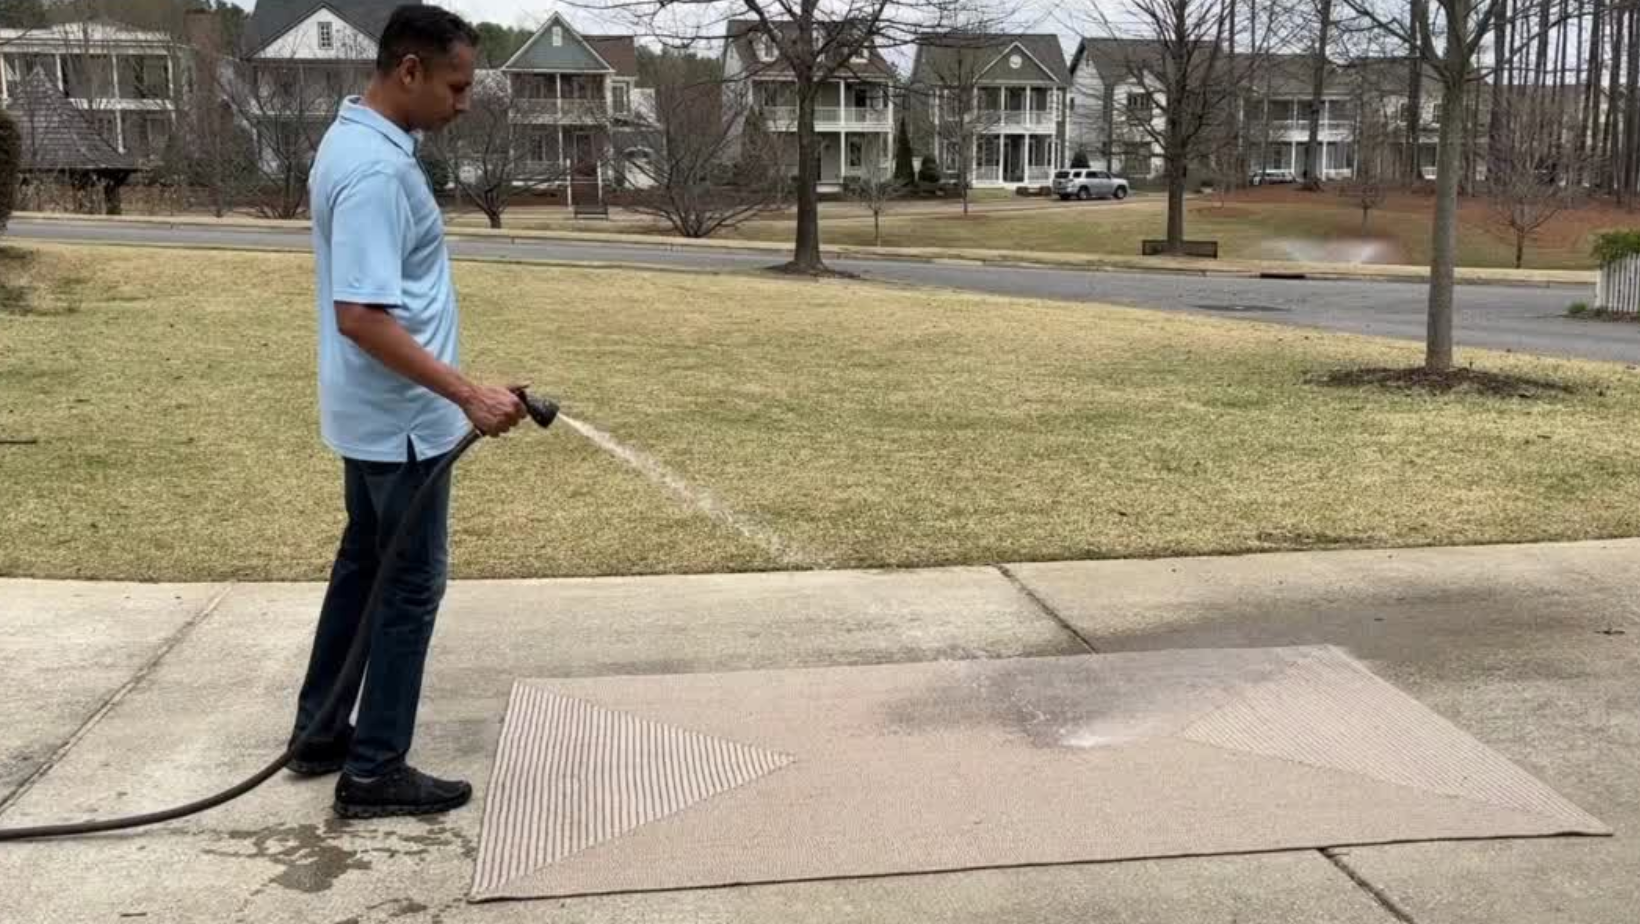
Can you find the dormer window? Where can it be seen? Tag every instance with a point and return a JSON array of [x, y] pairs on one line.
[[764, 47], [861, 55], [327, 36], [557, 36]]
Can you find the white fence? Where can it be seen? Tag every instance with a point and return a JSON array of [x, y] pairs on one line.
[[1618, 288]]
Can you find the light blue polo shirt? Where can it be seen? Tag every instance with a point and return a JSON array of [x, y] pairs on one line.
[[378, 239]]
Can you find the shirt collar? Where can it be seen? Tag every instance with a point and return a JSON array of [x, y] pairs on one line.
[[355, 111]]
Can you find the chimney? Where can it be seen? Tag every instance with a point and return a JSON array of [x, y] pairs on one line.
[[202, 30]]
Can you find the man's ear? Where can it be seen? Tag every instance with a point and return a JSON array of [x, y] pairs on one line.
[[411, 70]]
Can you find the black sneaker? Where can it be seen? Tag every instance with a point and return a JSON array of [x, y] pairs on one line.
[[317, 758], [405, 791]]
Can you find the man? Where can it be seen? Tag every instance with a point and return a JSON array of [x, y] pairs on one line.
[[391, 404]]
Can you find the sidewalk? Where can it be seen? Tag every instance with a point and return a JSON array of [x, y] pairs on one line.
[[1174, 265], [129, 697]]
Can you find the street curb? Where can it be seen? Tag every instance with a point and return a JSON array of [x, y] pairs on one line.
[[1330, 272]]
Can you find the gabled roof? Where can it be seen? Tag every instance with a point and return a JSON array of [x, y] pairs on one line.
[[273, 18], [940, 57], [57, 136], [739, 36], [576, 55], [1117, 59]]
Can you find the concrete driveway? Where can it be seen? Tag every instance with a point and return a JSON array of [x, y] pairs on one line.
[[126, 697]]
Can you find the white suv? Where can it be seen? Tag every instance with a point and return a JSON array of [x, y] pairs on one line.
[[1089, 184]]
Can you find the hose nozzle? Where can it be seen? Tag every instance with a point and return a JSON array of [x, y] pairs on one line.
[[541, 410]]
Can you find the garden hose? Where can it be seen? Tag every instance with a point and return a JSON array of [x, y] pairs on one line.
[[543, 412]]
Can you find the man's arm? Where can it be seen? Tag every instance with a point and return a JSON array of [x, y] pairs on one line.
[[492, 410]]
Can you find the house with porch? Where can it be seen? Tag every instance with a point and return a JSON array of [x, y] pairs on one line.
[[300, 59], [576, 102], [126, 82], [995, 103], [1113, 112], [854, 116]]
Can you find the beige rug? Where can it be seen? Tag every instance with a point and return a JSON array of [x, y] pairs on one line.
[[621, 784]]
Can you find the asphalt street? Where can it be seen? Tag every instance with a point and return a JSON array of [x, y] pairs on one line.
[[1518, 318]]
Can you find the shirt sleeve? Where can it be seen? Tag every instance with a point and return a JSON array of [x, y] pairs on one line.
[[368, 231]]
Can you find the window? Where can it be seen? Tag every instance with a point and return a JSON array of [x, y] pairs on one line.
[[1139, 104], [621, 98], [144, 77], [764, 47], [856, 153], [327, 36], [21, 67], [557, 36], [861, 55]]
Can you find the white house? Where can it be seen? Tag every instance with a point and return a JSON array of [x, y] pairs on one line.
[[301, 58], [854, 118], [1110, 104], [1005, 97], [128, 82]]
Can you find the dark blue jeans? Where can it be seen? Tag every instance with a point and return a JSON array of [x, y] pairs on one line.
[[378, 495]]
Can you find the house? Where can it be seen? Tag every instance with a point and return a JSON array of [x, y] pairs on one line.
[[1111, 104], [854, 116], [127, 82], [576, 100], [300, 59], [1276, 118], [997, 103]]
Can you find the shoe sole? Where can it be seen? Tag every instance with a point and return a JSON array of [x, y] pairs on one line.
[[304, 768], [389, 811]]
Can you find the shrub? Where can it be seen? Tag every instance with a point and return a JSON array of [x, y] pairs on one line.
[[1578, 309], [1615, 245], [1080, 161], [930, 172]]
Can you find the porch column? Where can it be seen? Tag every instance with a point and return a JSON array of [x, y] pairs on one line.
[[558, 106], [114, 101]]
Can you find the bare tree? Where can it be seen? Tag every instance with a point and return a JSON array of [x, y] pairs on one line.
[[697, 174], [1448, 36], [813, 42], [876, 190], [955, 113], [1532, 178], [495, 155], [1185, 85], [1314, 169], [287, 106]]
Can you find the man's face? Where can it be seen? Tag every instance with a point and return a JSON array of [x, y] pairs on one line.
[[440, 88]]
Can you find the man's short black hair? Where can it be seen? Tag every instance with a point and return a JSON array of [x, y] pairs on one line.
[[423, 30]]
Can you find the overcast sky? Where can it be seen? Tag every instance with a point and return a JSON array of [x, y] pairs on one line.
[[1033, 15]]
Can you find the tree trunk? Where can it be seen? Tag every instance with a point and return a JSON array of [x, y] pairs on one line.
[[1443, 249], [806, 254], [1589, 122], [1631, 112], [1497, 122], [494, 215], [1175, 204], [1608, 135], [1313, 167], [1415, 116], [877, 228], [1520, 249]]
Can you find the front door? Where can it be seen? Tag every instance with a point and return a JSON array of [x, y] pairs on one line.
[[1013, 159], [583, 152]]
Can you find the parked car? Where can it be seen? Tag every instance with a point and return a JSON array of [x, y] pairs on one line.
[[1273, 176], [1089, 184]]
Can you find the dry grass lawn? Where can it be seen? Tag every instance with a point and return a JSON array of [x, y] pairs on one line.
[[171, 394]]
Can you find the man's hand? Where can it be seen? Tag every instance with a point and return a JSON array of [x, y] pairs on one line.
[[493, 410]]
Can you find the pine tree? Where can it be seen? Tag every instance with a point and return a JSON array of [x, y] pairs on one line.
[[11, 156], [905, 160]]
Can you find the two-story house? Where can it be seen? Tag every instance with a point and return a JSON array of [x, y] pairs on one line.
[[854, 117], [572, 97], [127, 82], [1113, 118], [996, 103], [301, 58], [1276, 119]]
